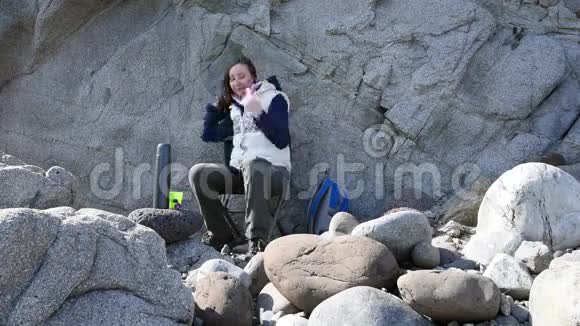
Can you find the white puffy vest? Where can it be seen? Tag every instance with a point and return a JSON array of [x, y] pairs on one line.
[[249, 141]]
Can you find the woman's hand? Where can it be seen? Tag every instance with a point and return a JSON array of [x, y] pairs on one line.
[[251, 102]]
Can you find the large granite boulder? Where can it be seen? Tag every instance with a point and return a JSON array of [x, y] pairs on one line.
[[308, 269], [533, 202], [90, 267]]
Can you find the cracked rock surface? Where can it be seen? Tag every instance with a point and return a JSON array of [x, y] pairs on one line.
[[67, 267], [448, 85]]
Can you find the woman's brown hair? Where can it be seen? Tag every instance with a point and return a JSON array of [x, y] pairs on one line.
[[226, 99]]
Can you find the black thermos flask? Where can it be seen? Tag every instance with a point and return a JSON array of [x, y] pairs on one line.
[[162, 176]]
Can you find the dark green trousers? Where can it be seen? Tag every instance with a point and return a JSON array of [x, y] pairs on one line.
[[261, 183]]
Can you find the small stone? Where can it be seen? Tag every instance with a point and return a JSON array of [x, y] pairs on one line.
[[219, 265], [558, 253], [548, 3], [424, 255], [172, 225], [343, 223], [226, 250], [292, 320], [506, 321], [455, 233], [447, 252], [504, 305], [535, 255], [464, 264], [270, 299], [255, 269], [220, 299], [519, 312], [453, 323], [510, 275], [60, 176], [474, 297]]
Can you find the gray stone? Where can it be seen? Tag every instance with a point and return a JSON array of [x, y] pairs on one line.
[[448, 253], [343, 222], [25, 187], [190, 254], [220, 265], [257, 273], [555, 295], [566, 259], [270, 299], [363, 305], [510, 275], [172, 225], [10, 160], [308, 269], [191, 280], [460, 296], [424, 255], [91, 267], [535, 255], [463, 206], [506, 321], [292, 320], [505, 304], [463, 264], [60, 176], [519, 312], [482, 247], [518, 89], [64, 211], [221, 299], [457, 229], [399, 231]]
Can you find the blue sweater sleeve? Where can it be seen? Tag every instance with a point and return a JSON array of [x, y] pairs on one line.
[[217, 126], [274, 123]]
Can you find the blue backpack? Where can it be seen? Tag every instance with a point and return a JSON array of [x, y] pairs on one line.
[[326, 201]]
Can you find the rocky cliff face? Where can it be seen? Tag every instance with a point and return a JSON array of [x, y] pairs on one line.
[[455, 89]]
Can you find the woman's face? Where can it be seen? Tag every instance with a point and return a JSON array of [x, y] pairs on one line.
[[240, 79]]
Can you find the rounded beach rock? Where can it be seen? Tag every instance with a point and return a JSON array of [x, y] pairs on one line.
[[399, 231], [221, 300], [451, 295], [308, 269], [363, 305]]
